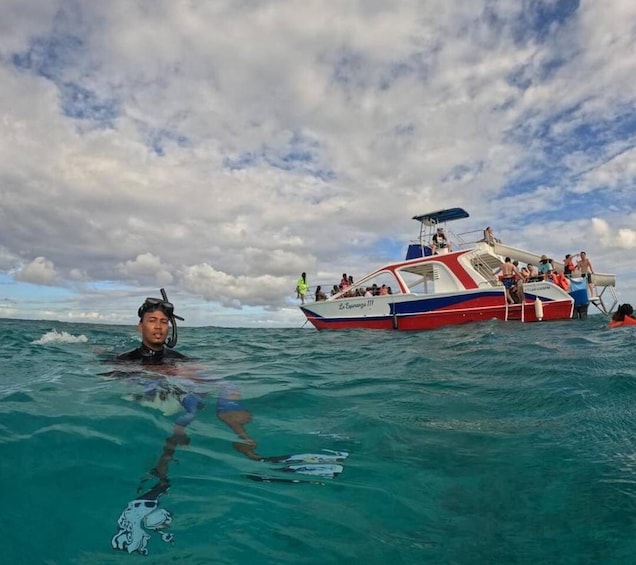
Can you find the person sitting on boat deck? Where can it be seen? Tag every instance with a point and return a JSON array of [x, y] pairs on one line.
[[568, 265], [508, 277], [624, 316], [524, 276], [302, 287], [320, 295], [533, 273], [489, 237], [545, 267], [585, 266], [440, 245]]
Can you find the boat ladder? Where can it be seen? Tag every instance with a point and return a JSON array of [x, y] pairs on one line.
[[505, 295], [522, 305]]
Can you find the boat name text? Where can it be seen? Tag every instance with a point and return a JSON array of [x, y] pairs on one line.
[[354, 305]]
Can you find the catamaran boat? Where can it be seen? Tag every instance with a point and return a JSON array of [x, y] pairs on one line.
[[455, 281]]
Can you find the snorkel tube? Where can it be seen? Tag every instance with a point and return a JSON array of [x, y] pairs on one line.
[[172, 340]]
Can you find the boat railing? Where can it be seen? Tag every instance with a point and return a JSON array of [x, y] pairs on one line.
[[604, 304], [458, 241], [468, 238]]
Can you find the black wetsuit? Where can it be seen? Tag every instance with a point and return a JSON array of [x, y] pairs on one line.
[[149, 356]]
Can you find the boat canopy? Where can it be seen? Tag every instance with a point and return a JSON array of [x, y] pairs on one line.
[[442, 216]]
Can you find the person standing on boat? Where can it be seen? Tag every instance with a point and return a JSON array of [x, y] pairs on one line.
[[302, 287], [509, 276], [585, 266], [568, 265], [441, 245]]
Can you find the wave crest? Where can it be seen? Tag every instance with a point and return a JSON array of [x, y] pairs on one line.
[[60, 337]]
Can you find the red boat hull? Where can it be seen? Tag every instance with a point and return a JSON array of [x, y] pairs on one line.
[[556, 310]]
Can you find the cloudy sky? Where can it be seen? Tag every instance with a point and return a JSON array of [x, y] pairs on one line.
[[218, 148]]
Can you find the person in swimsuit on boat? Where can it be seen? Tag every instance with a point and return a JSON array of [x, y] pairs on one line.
[[509, 276], [585, 266]]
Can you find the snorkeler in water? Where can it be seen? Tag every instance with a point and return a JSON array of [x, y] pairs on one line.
[[171, 386], [156, 316], [178, 394]]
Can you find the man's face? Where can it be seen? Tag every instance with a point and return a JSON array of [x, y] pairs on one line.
[[153, 328]]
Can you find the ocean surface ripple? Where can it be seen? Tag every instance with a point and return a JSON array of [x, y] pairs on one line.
[[480, 444]]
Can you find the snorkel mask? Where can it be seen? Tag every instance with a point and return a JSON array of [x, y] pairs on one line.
[[152, 304]]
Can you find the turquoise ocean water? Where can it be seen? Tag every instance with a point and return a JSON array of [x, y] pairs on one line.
[[481, 444]]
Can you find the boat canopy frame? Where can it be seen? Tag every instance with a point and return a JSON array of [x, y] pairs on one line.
[[428, 226], [432, 219]]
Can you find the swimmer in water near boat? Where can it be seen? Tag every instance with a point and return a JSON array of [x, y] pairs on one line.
[[162, 367], [156, 318], [624, 316]]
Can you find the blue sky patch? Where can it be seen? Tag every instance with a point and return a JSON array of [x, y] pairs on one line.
[[301, 154], [52, 57]]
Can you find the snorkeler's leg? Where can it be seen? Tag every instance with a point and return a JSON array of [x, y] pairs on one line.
[[191, 403], [236, 420]]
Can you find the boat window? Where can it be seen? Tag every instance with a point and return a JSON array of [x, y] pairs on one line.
[[430, 278], [420, 281], [384, 278]]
